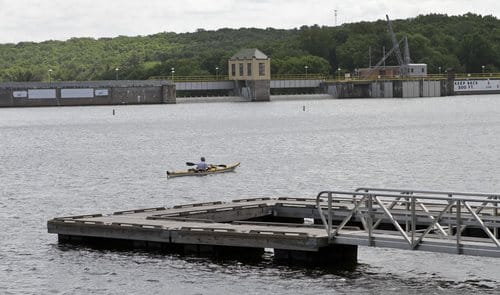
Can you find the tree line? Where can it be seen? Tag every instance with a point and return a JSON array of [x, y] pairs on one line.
[[467, 43]]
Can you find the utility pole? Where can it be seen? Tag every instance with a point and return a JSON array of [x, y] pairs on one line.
[[335, 13], [370, 56], [383, 50]]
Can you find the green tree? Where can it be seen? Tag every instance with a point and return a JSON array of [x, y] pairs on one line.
[[465, 43], [475, 52]]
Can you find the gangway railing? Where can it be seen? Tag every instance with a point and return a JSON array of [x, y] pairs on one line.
[[421, 220], [449, 194]]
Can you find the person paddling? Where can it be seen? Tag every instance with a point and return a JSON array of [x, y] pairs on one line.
[[202, 165]]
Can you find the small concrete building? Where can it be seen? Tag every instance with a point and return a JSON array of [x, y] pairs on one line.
[[249, 64], [417, 70], [251, 71]]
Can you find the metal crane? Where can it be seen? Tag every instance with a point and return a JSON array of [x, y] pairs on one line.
[[403, 61], [395, 43], [388, 53]]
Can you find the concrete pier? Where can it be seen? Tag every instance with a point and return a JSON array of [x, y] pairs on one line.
[[254, 90]]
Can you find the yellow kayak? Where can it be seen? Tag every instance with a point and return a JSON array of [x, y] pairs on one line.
[[212, 170]]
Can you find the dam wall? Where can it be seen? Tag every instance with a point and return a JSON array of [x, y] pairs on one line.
[[385, 89], [34, 94], [117, 92]]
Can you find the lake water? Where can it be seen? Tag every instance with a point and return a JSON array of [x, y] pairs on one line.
[[74, 160]]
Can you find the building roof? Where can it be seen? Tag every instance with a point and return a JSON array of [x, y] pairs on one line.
[[421, 65], [250, 53]]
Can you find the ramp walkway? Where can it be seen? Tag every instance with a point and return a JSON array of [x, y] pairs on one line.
[[436, 221]]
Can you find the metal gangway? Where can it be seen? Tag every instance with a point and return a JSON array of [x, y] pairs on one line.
[[436, 221]]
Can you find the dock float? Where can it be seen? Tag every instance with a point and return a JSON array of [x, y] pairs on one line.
[[321, 231], [242, 228]]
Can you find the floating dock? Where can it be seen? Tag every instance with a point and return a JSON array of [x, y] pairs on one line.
[[325, 230], [241, 227]]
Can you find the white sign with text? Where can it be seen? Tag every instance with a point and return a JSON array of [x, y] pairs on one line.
[[476, 85]]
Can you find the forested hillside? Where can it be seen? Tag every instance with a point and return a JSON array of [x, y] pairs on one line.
[[465, 43]]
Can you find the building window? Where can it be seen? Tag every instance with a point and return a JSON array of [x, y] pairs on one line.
[[262, 69], [249, 69], [423, 70], [233, 70], [241, 70]]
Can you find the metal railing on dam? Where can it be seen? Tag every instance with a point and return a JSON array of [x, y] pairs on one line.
[[332, 77], [212, 78], [449, 222]]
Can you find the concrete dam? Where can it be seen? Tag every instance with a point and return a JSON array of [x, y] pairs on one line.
[[33, 94]]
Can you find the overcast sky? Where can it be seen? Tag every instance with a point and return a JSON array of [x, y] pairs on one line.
[[39, 20]]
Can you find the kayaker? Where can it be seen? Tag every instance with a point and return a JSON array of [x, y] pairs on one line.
[[202, 165]]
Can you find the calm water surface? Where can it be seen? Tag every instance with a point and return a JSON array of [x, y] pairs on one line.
[[74, 160]]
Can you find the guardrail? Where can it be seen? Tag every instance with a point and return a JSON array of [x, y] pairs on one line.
[[331, 78], [299, 77], [212, 78], [202, 78], [416, 207], [477, 75], [449, 194], [354, 78]]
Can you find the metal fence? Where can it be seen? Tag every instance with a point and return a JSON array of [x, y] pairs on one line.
[[331, 78]]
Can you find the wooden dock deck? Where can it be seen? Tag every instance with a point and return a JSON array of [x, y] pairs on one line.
[[245, 226]]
